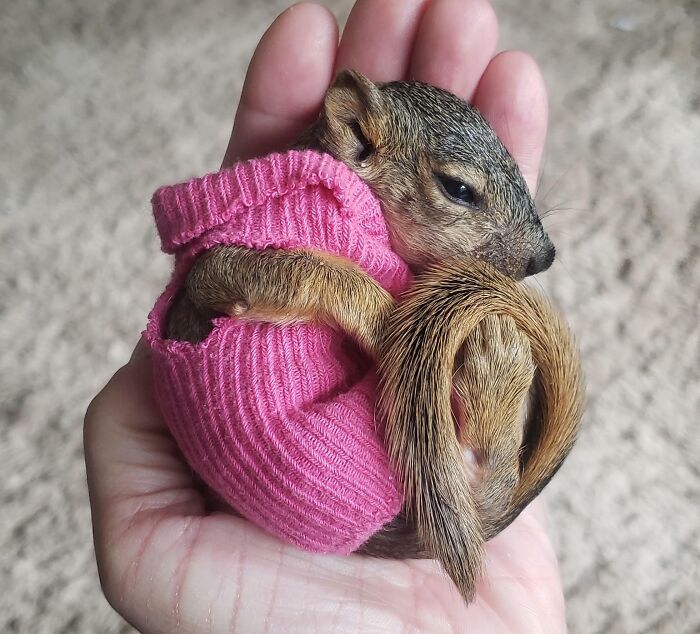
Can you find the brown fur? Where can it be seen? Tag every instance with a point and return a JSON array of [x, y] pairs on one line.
[[403, 139], [399, 137], [425, 334], [494, 372], [281, 287]]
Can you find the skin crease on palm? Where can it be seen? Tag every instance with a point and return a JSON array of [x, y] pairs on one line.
[[165, 564]]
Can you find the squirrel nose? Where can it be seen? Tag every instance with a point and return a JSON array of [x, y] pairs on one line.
[[541, 261]]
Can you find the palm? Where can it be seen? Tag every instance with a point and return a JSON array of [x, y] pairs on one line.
[[165, 562]]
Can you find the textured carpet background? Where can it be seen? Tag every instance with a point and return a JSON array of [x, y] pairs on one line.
[[100, 102]]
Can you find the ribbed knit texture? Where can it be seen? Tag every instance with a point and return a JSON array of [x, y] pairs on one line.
[[279, 421]]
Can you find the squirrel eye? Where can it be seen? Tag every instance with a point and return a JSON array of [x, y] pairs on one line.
[[458, 191], [366, 148]]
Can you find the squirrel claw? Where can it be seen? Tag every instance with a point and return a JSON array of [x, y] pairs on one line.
[[239, 308]]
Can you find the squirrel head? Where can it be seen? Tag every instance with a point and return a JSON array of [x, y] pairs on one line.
[[447, 185]]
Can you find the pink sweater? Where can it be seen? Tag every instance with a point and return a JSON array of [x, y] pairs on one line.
[[279, 421]]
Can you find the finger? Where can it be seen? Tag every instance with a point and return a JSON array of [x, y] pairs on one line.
[[132, 462], [141, 351], [455, 41], [138, 489], [512, 97], [378, 38], [286, 81]]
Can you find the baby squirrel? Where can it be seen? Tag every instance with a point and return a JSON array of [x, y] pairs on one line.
[[452, 197], [447, 185]]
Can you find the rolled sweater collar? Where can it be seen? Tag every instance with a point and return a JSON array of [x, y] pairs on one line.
[[185, 211], [295, 199]]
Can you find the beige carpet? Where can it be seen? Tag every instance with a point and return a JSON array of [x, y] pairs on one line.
[[100, 102]]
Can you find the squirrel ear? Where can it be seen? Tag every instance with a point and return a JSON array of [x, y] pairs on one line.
[[352, 97]]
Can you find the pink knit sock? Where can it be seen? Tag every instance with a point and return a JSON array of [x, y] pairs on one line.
[[279, 421]]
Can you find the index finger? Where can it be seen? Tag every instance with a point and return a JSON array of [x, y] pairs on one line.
[[286, 81]]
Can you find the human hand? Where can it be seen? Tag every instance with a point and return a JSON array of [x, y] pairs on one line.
[[165, 563]]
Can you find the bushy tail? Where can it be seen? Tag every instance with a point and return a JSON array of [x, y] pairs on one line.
[[427, 330]]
